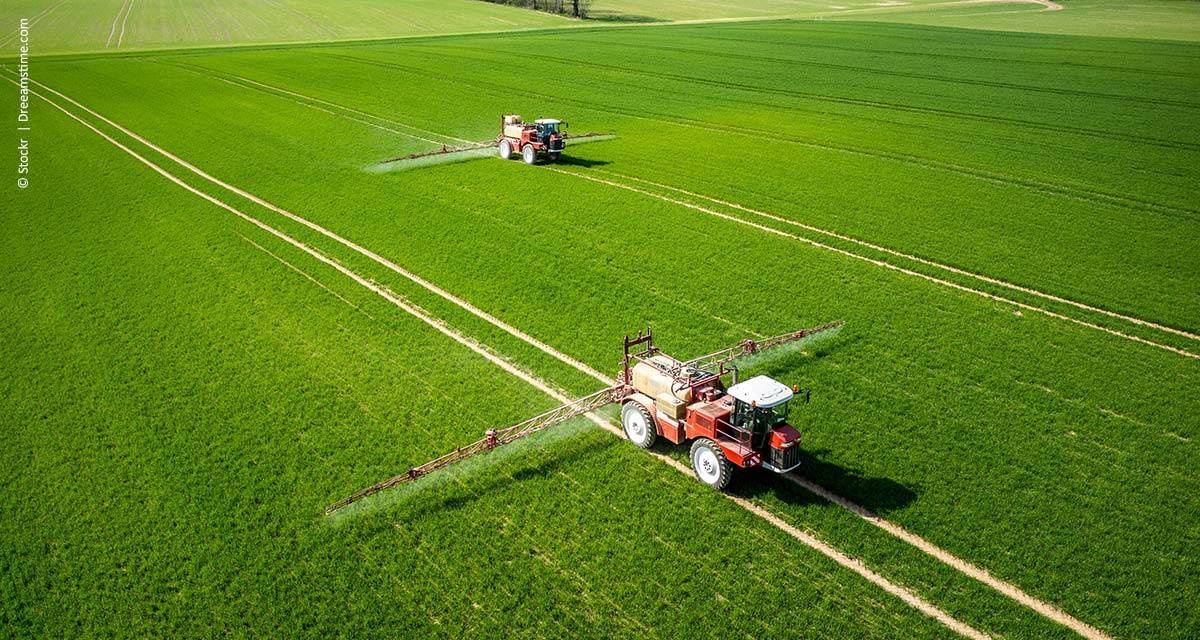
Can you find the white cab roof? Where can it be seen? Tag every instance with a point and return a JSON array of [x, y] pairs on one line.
[[548, 121], [763, 391]]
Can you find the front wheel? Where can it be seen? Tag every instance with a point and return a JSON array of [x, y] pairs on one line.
[[710, 464], [638, 424], [554, 157], [528, 154], [505, 149]]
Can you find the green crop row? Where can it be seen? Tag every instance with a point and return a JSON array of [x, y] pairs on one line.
[[1053, 455], [182, 402], [940, 186], [119, 25]]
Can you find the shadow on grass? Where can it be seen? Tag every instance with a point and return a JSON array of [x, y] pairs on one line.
[[879, 495], [586, 163]]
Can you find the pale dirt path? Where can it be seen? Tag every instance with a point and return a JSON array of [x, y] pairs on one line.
[[853, 564], [882, 263], [982, 575], [811, 15], [963, 272], [121, 38], [305, 275], [1047, 5], [334, 113], [32, 21], [216, 74], [112, 31]]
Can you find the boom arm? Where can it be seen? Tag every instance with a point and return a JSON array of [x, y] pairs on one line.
[[714, 361], [492, 439]]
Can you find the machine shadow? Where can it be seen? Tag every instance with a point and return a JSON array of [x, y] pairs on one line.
[[572, 161], [879, 495]]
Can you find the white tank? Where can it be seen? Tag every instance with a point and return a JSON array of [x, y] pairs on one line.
[[652, 382], [513, 126]]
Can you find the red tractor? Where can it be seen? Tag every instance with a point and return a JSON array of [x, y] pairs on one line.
[[542, 138], [744, 426]]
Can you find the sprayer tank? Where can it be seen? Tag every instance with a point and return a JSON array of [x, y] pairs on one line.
[[649, 380]]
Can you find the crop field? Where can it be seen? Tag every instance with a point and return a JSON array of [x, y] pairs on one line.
[[230, 302], [116, 25]]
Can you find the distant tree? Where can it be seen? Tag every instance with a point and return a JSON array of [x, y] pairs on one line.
[[579, 8]]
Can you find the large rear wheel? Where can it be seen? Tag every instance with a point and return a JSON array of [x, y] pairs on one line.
[[528, 154], [505, 149], [710, 464], [638, 424]]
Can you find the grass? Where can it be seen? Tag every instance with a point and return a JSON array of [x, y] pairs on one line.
[[953, 161], [157, 24], [1152, 19], [215, 411], [60, 27], [191, 505]]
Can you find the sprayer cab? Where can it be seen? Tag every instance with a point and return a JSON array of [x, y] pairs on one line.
[[760, 408], [547, 127]]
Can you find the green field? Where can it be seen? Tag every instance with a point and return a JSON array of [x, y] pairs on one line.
[[60, 26], [73, 25], [1148, 19], [196, 365]]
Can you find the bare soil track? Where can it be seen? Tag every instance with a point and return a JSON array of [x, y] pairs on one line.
[[908, 256], [882, 263], [32, 21], [324, 106]]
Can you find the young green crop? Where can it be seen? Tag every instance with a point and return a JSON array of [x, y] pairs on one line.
[[182, 402], [1055, 456], [121, 25], [955, 180]]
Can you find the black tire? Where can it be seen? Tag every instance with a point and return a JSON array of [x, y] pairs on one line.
[[554, 157], [710, 464], [638, 425]]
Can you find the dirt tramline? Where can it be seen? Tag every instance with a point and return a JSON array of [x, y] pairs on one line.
[[908, 256], [887, 265], [308, 101]]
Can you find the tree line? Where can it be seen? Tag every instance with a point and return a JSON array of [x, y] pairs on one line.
[[573, 8]]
